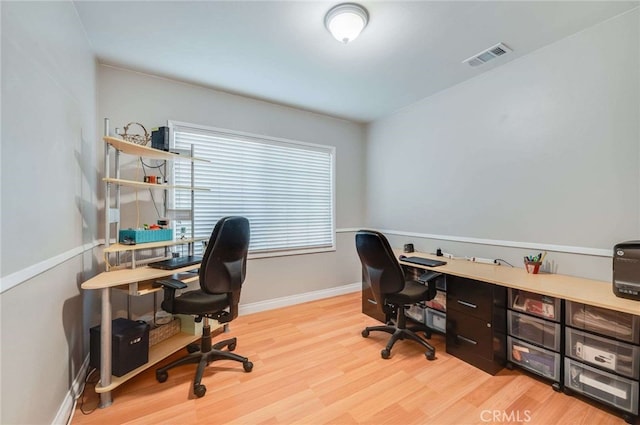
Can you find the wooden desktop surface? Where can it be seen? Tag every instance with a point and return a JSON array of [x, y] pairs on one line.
[[593, 292], [123, 276]]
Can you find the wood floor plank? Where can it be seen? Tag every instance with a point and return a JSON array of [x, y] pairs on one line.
[[312, 366]]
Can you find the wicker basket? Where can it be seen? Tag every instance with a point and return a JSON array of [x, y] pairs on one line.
[[162, 332]]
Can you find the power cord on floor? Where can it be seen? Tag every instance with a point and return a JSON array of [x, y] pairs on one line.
[[87, 380]]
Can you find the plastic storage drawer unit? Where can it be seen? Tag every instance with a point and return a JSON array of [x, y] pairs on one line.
[[417, 313], [436, 320], [611, 389], [534, 330], [619, 357], [538, 360], [535, 304], [439, 302], [610, 323]]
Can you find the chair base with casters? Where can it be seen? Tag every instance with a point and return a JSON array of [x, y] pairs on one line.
[[392, 291], [400, 331], [203, 355]]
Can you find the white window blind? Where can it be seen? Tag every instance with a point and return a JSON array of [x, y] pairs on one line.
[[284, 188]]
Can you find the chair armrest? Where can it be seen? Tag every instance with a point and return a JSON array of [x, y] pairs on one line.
[[428, 278], [171, 283]]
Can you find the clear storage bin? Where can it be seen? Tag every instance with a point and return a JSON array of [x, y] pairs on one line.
[[532, 329], [535, 304], [606, 387], [610, 323], [535, 359], [436, 320], [439, 302], [616, 356], [416, 313]]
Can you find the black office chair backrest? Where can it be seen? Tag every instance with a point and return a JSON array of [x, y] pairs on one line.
[[224, 263], [380, 267]]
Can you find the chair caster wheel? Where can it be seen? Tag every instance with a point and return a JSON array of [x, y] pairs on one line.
[[161, 376], [248, 366], [365, 333], [193, 348], [430, 355], [199, 390], [385, 353], [231, 346]]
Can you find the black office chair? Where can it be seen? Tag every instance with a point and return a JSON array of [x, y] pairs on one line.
[[222, 273], [392, 291]]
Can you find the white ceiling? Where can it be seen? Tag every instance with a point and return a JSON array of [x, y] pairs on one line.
[[279, 51]]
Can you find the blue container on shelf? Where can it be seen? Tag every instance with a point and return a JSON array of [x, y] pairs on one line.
[[131, 236]]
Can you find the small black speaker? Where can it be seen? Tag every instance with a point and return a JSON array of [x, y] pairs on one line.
[[129, 345], [160, 139]]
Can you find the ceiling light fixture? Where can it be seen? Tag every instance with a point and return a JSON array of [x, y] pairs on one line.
[[346, 21]]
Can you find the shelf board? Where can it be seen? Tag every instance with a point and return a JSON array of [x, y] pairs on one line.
[[143, 185], [147, 152], [156, 353], [148, 287], [118, 247], [124, 276]]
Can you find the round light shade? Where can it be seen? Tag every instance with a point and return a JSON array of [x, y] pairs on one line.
[[346, 21]]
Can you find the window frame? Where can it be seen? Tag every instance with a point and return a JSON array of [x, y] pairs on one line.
[[240, 136]]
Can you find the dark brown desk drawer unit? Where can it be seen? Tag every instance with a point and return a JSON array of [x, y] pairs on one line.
[[476, 323]]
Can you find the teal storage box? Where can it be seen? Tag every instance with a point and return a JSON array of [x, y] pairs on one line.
[[130, 236]]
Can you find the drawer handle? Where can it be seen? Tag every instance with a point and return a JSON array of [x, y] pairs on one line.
[[466, 304], [372, 301], [470, 341]]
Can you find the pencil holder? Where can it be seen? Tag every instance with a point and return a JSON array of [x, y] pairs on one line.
[[532, 266]]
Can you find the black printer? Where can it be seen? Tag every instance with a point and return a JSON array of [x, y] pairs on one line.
[[626, 270]]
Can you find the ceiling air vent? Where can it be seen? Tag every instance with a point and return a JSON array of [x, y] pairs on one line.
[[487, 55]]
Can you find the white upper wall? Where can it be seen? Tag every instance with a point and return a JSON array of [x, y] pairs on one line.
[[544, 149]]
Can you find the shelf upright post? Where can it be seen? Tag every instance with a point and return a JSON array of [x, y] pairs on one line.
[[107, 191], [193, 197], [105, 347], [105, 325], [117, 230]]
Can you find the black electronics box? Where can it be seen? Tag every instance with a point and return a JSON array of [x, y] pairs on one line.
[[129, 345], [626, 270], [160, 139]]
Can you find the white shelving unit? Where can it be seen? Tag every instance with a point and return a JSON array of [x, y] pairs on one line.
[[134, 278]]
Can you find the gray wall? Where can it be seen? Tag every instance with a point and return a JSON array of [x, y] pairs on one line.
[[125, 96], [542, 151], [48, 221]]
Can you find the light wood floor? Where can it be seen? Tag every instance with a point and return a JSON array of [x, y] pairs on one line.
[[312, 366]]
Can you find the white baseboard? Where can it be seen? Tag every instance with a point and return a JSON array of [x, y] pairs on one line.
[[298, 298], [65, 412]]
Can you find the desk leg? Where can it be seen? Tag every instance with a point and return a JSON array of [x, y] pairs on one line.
[[105, 347]]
